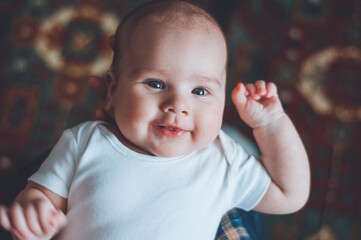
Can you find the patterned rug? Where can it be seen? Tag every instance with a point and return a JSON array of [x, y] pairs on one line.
[[310, 48]]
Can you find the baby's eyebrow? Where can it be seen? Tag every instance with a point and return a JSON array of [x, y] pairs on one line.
[[141, 71], [209, 79], [163, 72]]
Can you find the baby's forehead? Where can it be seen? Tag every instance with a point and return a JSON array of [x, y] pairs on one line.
[[170, 12], [176, 15], [161, 19], [171, 26]]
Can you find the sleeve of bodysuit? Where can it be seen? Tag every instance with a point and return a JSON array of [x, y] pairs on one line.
[[57, 171], [248, 180]]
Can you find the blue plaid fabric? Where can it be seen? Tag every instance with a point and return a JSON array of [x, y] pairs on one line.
[[237, 224]]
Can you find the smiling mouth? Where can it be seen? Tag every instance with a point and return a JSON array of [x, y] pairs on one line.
[[170, 131]]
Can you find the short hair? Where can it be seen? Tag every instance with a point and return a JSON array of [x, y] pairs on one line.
[[169, 12]]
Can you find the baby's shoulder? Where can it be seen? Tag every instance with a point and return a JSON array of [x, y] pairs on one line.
[[85, 128], [234, 145], [81, 133]]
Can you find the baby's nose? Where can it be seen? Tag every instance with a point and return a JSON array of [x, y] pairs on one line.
[[176, 105]]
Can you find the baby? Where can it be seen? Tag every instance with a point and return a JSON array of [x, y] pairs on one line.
[[165, 169]]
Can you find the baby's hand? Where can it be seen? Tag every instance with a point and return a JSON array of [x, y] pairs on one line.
[[257, 104], [34, 220]]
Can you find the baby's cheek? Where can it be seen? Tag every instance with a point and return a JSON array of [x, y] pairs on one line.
[[210, 123]]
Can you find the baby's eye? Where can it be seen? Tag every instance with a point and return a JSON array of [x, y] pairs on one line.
[[200, 91], [155, 84]]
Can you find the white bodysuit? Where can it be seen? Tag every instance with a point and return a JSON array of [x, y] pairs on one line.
[[116, 193]]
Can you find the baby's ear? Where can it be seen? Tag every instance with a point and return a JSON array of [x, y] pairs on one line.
[[110, 83]]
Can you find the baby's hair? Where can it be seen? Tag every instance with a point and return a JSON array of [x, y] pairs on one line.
[[180, 14]]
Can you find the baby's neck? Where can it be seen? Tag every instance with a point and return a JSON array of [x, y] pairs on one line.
[[115, 130]]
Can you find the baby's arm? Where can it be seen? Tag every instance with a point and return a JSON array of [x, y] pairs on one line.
[[283, 153], [37, 213]]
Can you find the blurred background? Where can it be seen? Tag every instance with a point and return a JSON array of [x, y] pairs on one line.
[[310, 48]]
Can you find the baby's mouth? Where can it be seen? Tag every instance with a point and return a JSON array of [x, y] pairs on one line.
[[170, 128], [171, 131]]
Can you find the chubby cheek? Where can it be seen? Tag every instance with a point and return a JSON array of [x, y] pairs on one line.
[[208, 125], [134, 114]]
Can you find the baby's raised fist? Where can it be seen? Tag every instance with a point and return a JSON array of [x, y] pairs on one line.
[[257, 103]]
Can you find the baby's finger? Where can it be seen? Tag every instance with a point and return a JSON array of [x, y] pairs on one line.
[[261, 87], [44, 214], [242, 89], [271, 90], [18, 222], [32, 220], [59, 219], [251, 88], [239, 94], [16, 235], [4, 218]]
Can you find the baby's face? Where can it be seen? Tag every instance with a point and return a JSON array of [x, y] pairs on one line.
[[169, 97]]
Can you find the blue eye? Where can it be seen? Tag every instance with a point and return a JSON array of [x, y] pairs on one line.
[[200, 91], [155, 84]]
